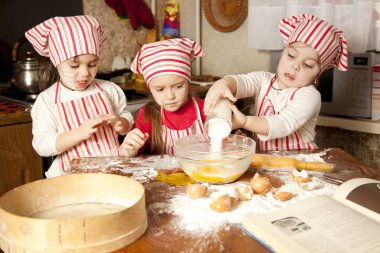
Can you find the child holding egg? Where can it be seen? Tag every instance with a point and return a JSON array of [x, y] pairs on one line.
[[173, 111], [287, 103]]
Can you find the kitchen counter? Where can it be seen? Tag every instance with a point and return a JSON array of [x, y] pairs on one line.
[[359, 125], [12, 113], [165, 234]]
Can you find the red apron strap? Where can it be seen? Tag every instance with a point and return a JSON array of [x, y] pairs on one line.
[[57, 92], [266, 94]]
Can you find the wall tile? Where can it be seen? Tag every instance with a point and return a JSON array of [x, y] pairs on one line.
[[363, 146]]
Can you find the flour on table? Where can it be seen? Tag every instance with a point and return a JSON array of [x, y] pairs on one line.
[[196, 216], [142, 169], [166, 162], [144, 174], [312, 157], [141, 174]]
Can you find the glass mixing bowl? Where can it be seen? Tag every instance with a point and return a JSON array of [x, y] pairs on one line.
[[203, 164]]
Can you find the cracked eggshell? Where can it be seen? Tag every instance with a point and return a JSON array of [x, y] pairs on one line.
[[309, 186], [196, 191], [281, 196], [260, 184], [221, 203], [243, 192], [299, 176]]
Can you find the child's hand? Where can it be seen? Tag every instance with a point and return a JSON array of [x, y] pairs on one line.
[[239, 120], [119, 124], [217, 91], [134, 140], [71, 138], [89, 127], [239, 132]]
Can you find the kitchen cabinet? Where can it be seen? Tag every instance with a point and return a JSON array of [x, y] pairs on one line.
[[351, 124], [19, 163]]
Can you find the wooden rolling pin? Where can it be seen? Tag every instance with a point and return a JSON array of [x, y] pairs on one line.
[[272, 161]]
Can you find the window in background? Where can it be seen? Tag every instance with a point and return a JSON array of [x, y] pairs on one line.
[[359, 20]]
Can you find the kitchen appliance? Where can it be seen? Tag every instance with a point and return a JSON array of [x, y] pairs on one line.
[[351, 93], [9, 93], [25, 73]]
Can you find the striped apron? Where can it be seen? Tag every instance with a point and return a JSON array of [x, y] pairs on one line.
[[73, 113], [293, 141], [171, 135]]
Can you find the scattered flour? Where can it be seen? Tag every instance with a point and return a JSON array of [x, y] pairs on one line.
[[144, 174], [141, 174], [312, 157], [166, 162], [195, 216], [142, 169]]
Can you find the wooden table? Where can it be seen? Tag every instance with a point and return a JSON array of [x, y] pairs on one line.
[[229, 238]]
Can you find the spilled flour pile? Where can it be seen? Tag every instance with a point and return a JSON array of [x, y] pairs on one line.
[[196, 216]]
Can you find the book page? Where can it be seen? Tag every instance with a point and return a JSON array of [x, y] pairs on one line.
[[317, 224], [361, 194]]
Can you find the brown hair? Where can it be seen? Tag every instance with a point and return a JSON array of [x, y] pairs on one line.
[[47, 73], [153, 112]]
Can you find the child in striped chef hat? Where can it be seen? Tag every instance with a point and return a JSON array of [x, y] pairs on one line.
[[287, 103], [78, 115], [173, 112]]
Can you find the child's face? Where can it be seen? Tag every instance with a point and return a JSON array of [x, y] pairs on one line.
[[169, 91], [299, 66], [78, 72]]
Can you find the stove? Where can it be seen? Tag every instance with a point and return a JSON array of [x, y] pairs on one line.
[[10, 94]]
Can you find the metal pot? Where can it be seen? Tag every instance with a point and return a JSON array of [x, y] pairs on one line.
[[26, 74]]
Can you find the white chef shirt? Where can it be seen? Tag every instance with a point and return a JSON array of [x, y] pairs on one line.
[[46, 123], [299, 113]]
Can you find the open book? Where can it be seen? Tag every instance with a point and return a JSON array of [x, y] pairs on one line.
[[347, 222]]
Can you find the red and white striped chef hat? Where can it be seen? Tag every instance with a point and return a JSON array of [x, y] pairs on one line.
[[62, 38], [327, 40], [172, 56]]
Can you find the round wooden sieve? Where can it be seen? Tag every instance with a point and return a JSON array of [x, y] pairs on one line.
[[27, 223]]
